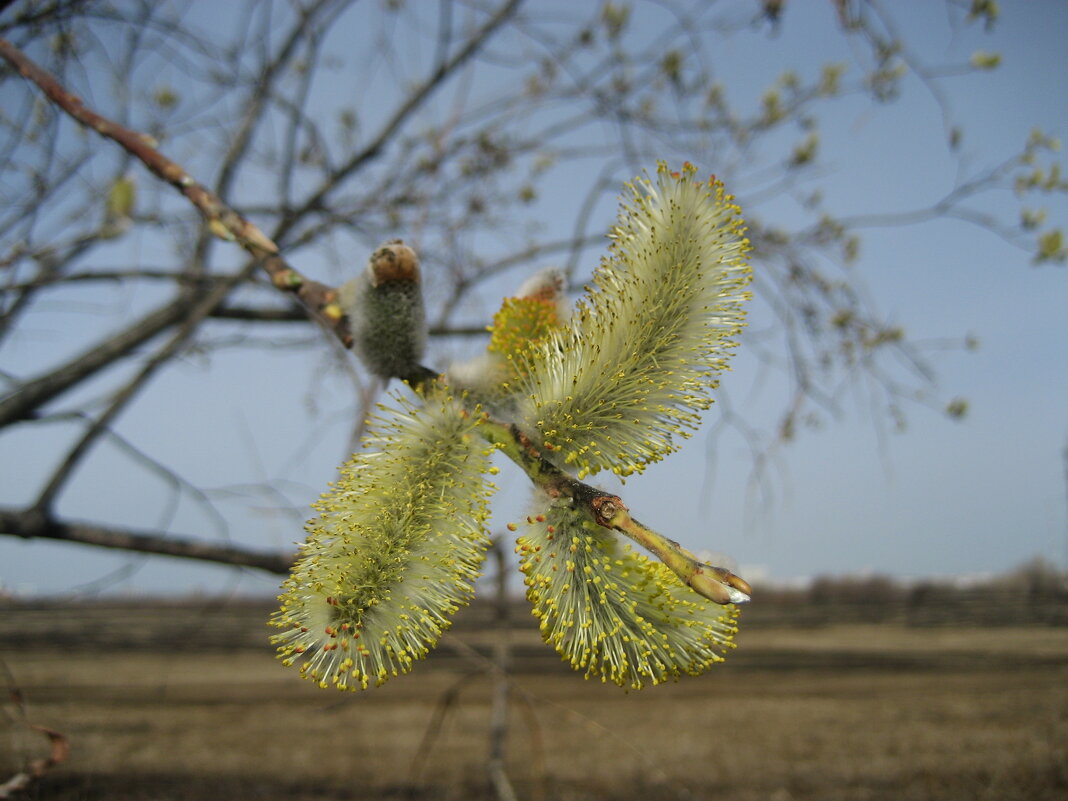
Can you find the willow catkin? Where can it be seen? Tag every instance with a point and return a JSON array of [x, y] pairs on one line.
[[630, 373], [394, 551]]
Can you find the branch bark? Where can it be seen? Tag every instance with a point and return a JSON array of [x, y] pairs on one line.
[[30, 396], [30, 524], [223, 221]]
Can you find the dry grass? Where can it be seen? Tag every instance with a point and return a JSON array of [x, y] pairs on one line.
[[844, 712]]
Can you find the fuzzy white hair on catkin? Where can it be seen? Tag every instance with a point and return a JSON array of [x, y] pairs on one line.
[[630, 374], [484, 374], [549, 284], [394, 552], [613, 613], [386, 315]]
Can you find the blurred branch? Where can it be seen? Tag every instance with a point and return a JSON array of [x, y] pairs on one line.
[[222, 220], [275, 315], [30, 524], [59, 747], [190, 320], [257, 102], [31, 395], [29, 16], [414, 101]]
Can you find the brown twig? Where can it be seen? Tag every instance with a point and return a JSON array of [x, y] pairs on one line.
[[609, 511], [222, 220], [36, 768], [278, 315], [32, 524]]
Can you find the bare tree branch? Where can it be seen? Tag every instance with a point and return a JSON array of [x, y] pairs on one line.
[[189, 323], [274, 315], [32, 525], [222, 220], [32, 395], [413, 102]]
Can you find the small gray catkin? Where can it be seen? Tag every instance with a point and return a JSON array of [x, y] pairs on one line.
[[384, 304]]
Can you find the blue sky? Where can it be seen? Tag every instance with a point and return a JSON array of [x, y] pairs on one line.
[[941, 498]]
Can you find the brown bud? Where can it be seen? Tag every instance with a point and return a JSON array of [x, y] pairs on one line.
[[606, 507], [394, 261]]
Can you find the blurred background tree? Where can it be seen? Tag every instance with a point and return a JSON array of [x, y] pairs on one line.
[[493, 136]]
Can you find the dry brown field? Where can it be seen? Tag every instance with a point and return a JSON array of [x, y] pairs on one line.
[[187, 702]]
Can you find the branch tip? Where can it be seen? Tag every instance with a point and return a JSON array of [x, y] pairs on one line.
[[719, 585]]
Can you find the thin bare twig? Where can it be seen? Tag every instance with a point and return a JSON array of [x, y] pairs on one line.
[[59, 748], [222, 220], [414, 101]]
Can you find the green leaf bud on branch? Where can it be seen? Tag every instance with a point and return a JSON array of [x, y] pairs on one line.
[[983, 60], [120, 206]]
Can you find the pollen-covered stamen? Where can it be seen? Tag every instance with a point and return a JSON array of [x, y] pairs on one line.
[[521, 324], [613, 613], [394, 552], [629, 375]]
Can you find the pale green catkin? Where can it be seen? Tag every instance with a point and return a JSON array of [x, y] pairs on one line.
[[613, 613], [384, 306], [394, 552], [400, 536], [630, 373]]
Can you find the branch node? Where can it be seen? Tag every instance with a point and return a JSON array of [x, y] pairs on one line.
[[606, 510]]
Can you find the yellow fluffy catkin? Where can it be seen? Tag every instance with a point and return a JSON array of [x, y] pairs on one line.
[[630, 373], [613, 613], [394, 551]]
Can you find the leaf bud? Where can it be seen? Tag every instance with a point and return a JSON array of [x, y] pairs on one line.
[[384, 305]]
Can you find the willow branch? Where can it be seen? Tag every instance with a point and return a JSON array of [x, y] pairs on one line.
[[223, 221], [31, 395], [29, 524], [604, 508], [608, 510], [276, 315]]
